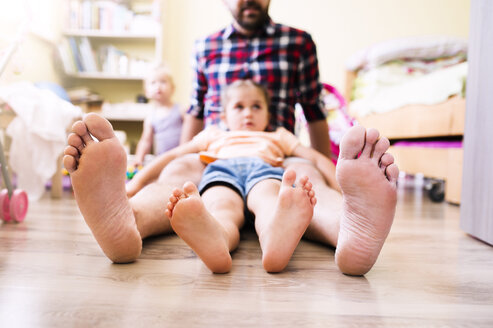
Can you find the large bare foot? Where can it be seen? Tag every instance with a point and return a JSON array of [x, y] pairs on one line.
[[97, 170], [368, 184], [292, 215], [199, 229]]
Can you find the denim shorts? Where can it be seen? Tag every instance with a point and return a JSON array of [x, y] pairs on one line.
[[240, 173]]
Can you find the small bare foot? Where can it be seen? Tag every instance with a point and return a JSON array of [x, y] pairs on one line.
[[292, 215], [97, 170], [198, 228], [368, 184]]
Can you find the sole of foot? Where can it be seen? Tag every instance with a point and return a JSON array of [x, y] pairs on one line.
[[199, 229], [97, 170], [368, 179], [292, 215]]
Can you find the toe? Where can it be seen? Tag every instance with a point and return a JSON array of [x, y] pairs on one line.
[[392, 173], [385, 161], [380, 148], [69, 163], [80, 129], [308, 186], [172, 199], [303, 181], [370, 141], [177, 193], [352, 143], [289, 178], [190, 189], [75, 141], [71, 151], [98, 126]]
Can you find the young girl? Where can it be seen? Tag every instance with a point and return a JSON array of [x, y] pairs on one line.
[[244, 173], [162, 128]]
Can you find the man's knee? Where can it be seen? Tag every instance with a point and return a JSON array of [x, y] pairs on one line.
[[186, 168], [303, 167]]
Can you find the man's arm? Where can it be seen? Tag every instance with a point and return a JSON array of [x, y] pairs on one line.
[[193, 121], [152, 171], [309, 97], [319, 136], [191, 127]]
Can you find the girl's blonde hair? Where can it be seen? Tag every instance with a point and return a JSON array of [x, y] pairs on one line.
[[241, 84], [160, 68]]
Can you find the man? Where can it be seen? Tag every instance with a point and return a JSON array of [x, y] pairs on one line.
[[284, 59], [281, 58]]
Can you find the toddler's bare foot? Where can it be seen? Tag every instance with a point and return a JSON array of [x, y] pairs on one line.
[[97, 170], [196, 226], [293, 214], [368, 184]]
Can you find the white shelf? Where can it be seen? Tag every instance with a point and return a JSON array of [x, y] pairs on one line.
[[104, 76], [126, 111], [123, 117], [110, 34]]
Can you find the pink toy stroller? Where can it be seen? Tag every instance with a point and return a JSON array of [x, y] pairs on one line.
[[338, 119], [13, 203]]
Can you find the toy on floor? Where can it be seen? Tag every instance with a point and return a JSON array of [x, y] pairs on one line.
[[132, 171], [13, 203]]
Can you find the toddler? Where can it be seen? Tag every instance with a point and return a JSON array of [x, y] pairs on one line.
[[244, 173], [162, 128]]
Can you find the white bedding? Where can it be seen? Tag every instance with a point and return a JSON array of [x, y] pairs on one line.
[[420, 47], [385, 88]]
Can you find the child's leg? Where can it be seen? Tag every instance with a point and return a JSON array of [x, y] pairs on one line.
[[281, 227], [209, 225]]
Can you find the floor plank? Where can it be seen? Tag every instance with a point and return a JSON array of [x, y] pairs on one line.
[[430, 273]]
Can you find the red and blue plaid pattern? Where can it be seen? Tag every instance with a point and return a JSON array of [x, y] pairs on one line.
[[281, 58]]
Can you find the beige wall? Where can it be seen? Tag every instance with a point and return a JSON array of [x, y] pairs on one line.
[[339, 28], [33, 60]]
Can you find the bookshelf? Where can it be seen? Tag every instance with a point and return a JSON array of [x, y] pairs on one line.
[[110, 41], [108, 46]]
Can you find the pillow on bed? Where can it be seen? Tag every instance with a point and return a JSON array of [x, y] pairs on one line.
[[424, 47]]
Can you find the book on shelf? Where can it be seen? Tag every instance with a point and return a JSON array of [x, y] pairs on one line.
[[87, 55], [113, 16], [66, 57], [78, 56]]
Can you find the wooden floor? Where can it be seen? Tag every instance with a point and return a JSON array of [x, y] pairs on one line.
[[429, 274]]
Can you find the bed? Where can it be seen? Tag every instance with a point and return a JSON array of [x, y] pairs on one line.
[[412, 90]]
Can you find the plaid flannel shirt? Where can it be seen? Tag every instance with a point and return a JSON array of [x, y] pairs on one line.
[[281, 58]]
